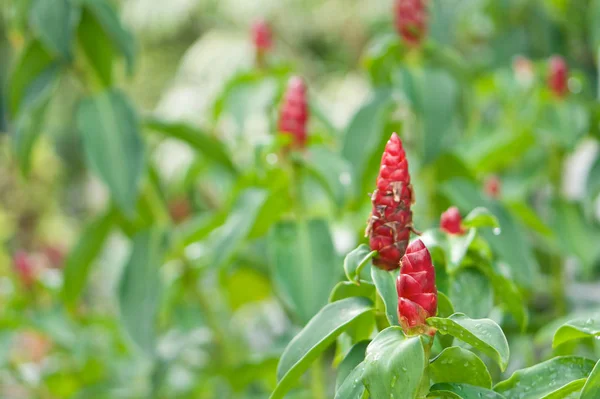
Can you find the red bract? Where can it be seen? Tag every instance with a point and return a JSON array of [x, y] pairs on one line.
[[558, 76], [25, 268], [417, 293], [411, 20], [294, 112], [262, 36], [451, 221], [390, 222], [492, 186]]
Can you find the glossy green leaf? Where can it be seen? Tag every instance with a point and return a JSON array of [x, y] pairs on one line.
[[53, 23], [318, 334], [346, 289], [354, 357], [545, 378], [208, 146], [96, 46], [461, 391], [352, 387], [225, 240], [112, 143], [459, 365], [386, 287], [332, 171], [303, 262], [482, 334], [364, 136], [394, 365], [356, 260], [567, 391], [577, 329], [140, 288], [471, 293], [458, 245], [480, 217], [591, 389], [79, 261]]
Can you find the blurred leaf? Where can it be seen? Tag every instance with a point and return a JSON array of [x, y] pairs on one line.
[[471, 293], [509, 296], [318, 334], [545, 378], [140, 289], [591, 389], [394, 365], [303, 264], [53, 23], [445, 307], [498, 150], [565, 122], [332, 171], [386, 287], [346, 289], [594, 15], [529, 218], [113, 146], [381, 57], [458, 245], [246, 285], [30, 64], [576, 329], [354, 357], [352, 387], [356, 260], [207, 145], [461, 391], [364, 136], [319, 113], [108, 19], [480, 217], [482, 334], [459, 365], [593, 178], [96, 47], [80, 259]]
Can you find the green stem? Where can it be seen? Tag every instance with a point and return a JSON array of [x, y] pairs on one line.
[[317, 384]]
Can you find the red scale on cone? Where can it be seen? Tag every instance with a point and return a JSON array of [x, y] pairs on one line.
[[411, 20], [294, 112], [390, 223], [558, 77], [417, 293]]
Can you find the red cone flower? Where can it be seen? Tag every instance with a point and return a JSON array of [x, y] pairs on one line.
[[411, 20], [492, 186], [451, 221], [294, 112], [417, 294], [558, 76], [390, 223], [25, 268], [262, 36]]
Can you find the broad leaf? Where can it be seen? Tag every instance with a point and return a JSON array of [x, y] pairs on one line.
[[97, 47], [459, 365], [303, 262], [112, 143], [354, 357], [356, 260], [394, 365], [482, 334], [53, 23], [480, 217], [567, 390], [318, 334], [545, 378], [461, 391], [352, 387], [386, 287], [591, 389], [577, 329]]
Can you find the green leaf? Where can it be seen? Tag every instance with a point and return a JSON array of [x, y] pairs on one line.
[[108, 19], [80, 259], [113, 146], [302, 258], [576, 329], [566, 390], [508, 295], [459, 365], [458, 245], [346, 289], [480, 217], [591, 389], [394, 365], [53, 23], [354, 357], [225, 240], [352, 387], [545, 378], [593, 14], [96, 47], [140, 289], [32, 62], [318, 334], [365, 136], [208, 146], [356, 260], [497, 149], [471, 293], [593, 179], [386, 287], [461, 391], [332, 171], [482, 334]]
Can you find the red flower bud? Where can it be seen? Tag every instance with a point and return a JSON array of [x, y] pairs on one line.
[[24, 268], [417, 293], [411, 20], [390, 222], [558, 76], [180, 209], [262, 36], [492, 186], [294, 112], [55, 255], [451, 221]]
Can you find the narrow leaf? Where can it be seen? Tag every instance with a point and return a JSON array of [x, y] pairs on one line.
[[96, 47], [591, 389], [346, 289], [354, 357], [356, 260], [352, 387], [386, 287]]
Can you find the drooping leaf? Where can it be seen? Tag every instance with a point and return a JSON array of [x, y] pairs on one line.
[[96, 46], [577, 329], [386, 287], [459, 365], [354, 357], [545, 378], [112, 143], [302, 258], [318, 334], [356, 260], [591, 389], [458, 245], [53, 23], [461, 391], [394, 365], [482, 334], [480, 217]]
